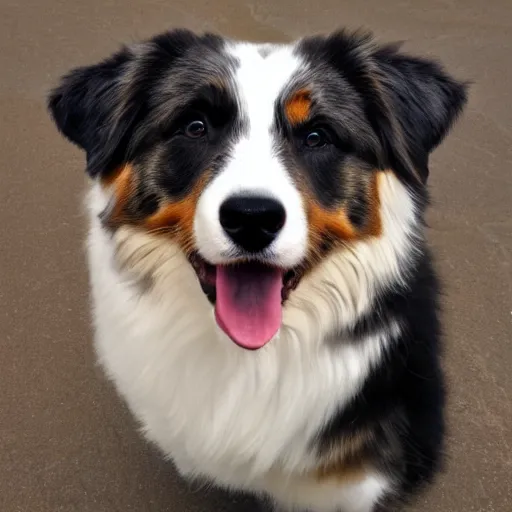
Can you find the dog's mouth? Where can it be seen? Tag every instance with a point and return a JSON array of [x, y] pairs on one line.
[[248, 298]]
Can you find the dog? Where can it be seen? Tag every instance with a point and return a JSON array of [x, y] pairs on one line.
[[264, 298]]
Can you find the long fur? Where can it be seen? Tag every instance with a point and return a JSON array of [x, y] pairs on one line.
[[343, 410]]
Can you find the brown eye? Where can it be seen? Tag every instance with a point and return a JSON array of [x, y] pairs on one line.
[[195, 129], [315, 139]]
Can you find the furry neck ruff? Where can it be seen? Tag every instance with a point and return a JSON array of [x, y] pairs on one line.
[[263, 294]]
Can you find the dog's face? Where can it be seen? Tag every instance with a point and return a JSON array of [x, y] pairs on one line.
[[258, 161]]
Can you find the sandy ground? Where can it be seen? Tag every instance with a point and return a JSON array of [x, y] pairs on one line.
[[67, 443]]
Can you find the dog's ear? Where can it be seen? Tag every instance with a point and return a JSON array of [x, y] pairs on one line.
[[91, 109], [98, 107], [410, 102], [421, 100]]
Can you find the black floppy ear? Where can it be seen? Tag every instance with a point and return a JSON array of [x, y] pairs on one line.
[[90, 109], [423, 101]]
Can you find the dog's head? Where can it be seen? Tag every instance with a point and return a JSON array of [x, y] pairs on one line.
[[264, 163]]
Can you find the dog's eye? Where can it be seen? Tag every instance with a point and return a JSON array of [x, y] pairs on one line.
[[195, 129], [315, 139]]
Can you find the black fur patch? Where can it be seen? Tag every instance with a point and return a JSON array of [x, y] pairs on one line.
[[358, 210], [408, 103], [401, 404], [135, 106]]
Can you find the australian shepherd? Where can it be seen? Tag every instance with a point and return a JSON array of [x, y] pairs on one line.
[[263, 293]]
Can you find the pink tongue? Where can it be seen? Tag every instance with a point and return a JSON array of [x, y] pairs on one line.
[[248, 303]]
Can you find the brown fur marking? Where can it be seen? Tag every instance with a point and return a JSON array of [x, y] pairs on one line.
[[374, 224], [123, 183], [298, 107], [178, 217], [334, 226], [174, 218], [348, 471], [109, 179], [345, 460]]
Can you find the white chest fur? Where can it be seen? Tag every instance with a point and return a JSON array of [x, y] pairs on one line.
[[205, 401], [217, 410]]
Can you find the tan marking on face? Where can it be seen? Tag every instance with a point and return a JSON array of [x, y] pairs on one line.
[[177, 218], [109, 179], [172, 218], [334, 226], [374, 224], [332, 223], [329, 229], [298, 107], [122, 181]]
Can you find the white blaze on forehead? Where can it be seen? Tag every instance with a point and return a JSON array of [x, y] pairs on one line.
[[261, 80], [254, 167]]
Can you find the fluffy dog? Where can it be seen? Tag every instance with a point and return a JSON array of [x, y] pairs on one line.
[[263, 294]]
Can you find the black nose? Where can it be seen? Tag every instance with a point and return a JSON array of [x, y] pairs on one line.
[[252, 222]]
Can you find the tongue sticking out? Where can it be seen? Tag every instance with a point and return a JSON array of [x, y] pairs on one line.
[[248, 304]]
